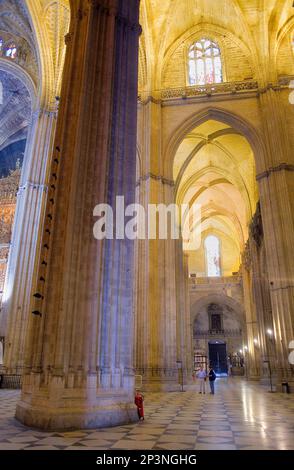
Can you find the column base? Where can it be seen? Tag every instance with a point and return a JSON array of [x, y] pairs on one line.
[[91, 418], [160, 380], [83, 417], [254, 377], [57, 407]]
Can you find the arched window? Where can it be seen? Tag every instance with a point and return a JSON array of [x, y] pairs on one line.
[[11, 50], [205, 65], [212, 251], [1, 44]]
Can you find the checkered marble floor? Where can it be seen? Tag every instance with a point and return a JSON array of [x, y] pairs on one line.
[[241, 415]]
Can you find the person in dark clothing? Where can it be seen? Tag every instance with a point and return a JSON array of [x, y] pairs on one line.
[[212, 377]]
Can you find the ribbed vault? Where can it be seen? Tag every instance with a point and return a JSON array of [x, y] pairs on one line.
[[214, 168]]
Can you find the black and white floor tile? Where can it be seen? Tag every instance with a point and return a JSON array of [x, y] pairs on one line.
[[241, 415]]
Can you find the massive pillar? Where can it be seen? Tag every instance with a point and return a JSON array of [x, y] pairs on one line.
[[27, 230], [184, 327], [251, 355], [276, 198], [264, 314], [156, 358], [79, 354]]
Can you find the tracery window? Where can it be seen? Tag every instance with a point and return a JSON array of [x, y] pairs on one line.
[[215, 313], [212, 251], [205, 64], [11, 50]]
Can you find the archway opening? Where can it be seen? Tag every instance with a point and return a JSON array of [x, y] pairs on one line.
[[214, 168], [218, 320]]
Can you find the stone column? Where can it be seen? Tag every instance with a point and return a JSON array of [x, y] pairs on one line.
[[184, 327], [27, 230], [276, 199], [251, 326], [156, 358], [79, 356], [262, 302]]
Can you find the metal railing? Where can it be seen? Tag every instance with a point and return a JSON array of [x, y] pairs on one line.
[[210, 89], [205, 280], [10, 381], [222, 333]]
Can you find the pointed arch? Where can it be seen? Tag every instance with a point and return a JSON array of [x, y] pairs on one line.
[[241, 125], [221, 299]]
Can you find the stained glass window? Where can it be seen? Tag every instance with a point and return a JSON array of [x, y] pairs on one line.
[[212, 250], [205, 64], [11, 51]]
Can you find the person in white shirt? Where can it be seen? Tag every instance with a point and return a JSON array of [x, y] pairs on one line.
[[202, 377]]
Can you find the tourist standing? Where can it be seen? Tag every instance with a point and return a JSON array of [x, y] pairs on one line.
[[212, 377], [202, 377]]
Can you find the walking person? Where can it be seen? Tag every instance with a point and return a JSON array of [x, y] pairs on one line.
[[202, 377], [212, 377]]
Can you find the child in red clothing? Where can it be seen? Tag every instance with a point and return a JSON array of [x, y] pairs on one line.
[[139, 399]]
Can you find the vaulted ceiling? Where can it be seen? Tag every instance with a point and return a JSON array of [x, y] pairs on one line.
[[25, 22], [14, 18], [15, 102], [255, 23], [15, 110], [214, 169]]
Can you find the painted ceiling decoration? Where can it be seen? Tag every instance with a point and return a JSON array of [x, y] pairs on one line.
[[15, 28], [19, 47], [15, 109]]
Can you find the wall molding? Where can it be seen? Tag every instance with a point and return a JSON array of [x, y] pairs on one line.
[[206, 91]]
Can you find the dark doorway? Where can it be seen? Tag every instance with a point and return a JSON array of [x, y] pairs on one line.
[[218, 357]]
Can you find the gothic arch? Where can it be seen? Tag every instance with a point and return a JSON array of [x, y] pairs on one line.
[[44, 55], [221, 299], [241, 125]]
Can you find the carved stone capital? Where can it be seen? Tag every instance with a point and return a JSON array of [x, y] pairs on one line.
[[246, 257], [256, 229], [68, 38]]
